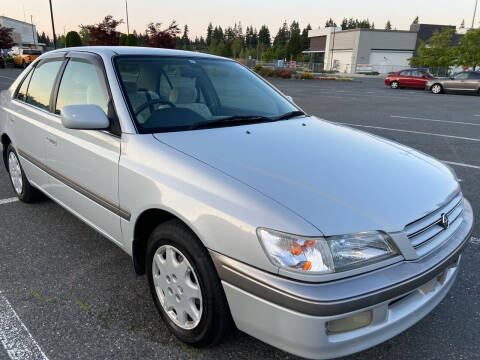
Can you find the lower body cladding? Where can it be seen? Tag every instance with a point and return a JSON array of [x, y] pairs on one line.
[[338, 318]]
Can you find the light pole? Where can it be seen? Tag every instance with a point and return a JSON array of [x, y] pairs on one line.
[[126, 10], [53, 26], [474, 14], [33, 32]]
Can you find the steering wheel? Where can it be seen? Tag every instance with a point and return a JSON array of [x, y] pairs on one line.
[[154, 101]]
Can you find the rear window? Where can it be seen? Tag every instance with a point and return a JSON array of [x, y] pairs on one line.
[[32, 52]]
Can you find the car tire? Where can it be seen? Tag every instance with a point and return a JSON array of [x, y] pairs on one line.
[[24, 64], [185, 286], [436, 89], [395, 85], [24, 191]]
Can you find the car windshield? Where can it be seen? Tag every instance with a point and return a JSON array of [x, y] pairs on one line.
[[184, 93]]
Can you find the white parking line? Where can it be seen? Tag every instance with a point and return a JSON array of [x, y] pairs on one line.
[[442, 121], [8, 201], [15, 337], [6, 77], [475, 240], [411, 131]]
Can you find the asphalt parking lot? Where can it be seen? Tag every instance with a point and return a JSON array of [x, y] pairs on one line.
[[74, 295]]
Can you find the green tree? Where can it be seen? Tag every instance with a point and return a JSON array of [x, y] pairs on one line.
[[330, 23], [295, 42], [264, 36], [85, 35], [268, 54], [468, 53], [185, 38], [73, 39], [122, 40], [282, 36], [209, 34], [416, 20], [6, 37], [388, 26], [437, 53], [237, 47], [131, 40], [305, 38]]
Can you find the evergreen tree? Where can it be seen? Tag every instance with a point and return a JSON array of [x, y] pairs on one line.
[[122, 40], [415, 21], [295, 43], [185, 39], [131, 40], [264, 36], [282, 36], [305, 39], [209, 34], [388, 26], [330, 23]]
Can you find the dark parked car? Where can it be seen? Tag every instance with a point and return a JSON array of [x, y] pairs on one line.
[[465, 81], [412, 78]]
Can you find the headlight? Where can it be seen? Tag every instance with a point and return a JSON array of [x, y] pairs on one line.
[[323, 255]]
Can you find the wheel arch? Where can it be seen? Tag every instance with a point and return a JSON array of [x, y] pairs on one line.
[[145, 223]]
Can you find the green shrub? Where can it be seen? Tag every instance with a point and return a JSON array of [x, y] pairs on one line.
[[73, 39], [257, 68], [131, 40], [306, 76], [122, 40]]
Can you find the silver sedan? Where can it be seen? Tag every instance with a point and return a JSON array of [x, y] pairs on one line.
[[463, 82], [241, 209]]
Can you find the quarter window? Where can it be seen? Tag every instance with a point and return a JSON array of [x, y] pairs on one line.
[[82, 83], [41, 84], [22, 92], [461, 76]]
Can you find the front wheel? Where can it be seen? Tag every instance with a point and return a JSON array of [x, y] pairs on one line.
[[437, 89], [185, 286], [24, 191], [394, 85]]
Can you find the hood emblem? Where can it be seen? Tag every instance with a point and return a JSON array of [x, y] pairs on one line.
[[444, 221]]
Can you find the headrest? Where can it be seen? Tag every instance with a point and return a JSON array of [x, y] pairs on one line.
[[130, 86], [183, 95]]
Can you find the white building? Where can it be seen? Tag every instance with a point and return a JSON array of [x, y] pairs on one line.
[[24, 34]]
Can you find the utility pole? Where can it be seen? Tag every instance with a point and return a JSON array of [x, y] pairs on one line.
[[53, 26], [474, 14], [33, 31], [126, 10]]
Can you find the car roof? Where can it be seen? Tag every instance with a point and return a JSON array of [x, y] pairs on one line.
[[135, 50]]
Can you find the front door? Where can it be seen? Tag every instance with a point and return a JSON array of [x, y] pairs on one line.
[[84, 163]]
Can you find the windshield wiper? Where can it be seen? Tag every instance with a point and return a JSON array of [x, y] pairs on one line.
[[289, 115], [244, 120], [231, 121]]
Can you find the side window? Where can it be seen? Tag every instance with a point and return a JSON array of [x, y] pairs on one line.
[[405, 73], [474, 76], [461, 76], [22, 92], [82, 83], [42, 82], [417, 73]]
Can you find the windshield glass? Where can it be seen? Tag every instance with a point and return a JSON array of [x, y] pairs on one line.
[[179, 93]]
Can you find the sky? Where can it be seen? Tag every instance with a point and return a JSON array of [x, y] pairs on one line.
[[197, 14]]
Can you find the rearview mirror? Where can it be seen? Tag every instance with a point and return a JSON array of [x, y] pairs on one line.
[[84, 117]]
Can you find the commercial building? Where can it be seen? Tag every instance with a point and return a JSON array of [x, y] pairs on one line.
[[24, 33], [361, 50]]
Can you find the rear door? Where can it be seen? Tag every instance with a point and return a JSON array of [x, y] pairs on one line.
[[471, 84], [417, 79], [83, 164], [404, 78], [29, 114]]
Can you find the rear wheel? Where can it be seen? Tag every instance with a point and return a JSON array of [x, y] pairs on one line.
[[24, 191], [436, 89], [185, 285], [394, 85]]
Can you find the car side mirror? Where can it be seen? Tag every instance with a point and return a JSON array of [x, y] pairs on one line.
[[84, 117]]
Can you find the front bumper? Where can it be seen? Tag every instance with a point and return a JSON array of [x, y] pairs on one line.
[[293, 315]]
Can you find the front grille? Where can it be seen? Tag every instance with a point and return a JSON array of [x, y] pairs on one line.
[[428, 233]]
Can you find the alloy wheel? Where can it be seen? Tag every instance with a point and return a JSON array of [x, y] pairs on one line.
[[436, 89], [394, 85], [177, 287], [15, 172]]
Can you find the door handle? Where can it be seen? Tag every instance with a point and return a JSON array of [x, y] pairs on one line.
[[52, 141]]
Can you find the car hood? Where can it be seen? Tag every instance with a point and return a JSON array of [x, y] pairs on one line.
[[339, 179]]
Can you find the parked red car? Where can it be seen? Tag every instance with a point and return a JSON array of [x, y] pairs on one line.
[[412, 78]]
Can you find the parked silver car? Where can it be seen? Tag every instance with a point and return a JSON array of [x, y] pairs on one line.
[[465, 81], [241, 209]]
